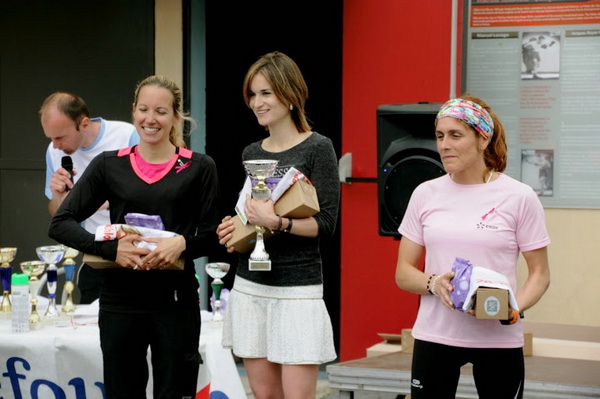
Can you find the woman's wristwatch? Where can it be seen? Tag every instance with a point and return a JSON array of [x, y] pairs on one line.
[[289, 226], [280, 222], [513, 319]]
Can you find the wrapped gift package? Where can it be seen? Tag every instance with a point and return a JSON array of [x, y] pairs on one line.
[[99, 263], [492, 292], [299, 201]]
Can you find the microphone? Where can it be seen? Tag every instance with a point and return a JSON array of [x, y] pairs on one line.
[[67, 163]]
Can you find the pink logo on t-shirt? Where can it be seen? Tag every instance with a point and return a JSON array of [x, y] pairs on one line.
[[487, 226], [489, 212], [182, 165]]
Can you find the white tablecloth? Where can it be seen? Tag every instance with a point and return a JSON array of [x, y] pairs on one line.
[[66, 361]]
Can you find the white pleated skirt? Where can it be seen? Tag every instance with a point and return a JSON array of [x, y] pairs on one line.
[[286, 325]]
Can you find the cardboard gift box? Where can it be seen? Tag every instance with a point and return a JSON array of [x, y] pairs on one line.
[[299, 201], [244, 236], [528, 344], [491, 303], [392, 343], [99, 263], [408, 341]]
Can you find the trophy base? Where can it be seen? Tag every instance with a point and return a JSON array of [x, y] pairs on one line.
[[218, 317], [68, 308], [259, 265], [52, 313], [34, 326]]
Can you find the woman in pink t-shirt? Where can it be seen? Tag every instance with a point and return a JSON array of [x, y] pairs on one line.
[[477, 213]]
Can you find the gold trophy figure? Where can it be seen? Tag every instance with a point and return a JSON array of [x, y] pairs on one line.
[[7, 255], [33, 269], [51, 254], [69, 266], [217, 270], [260, 170]]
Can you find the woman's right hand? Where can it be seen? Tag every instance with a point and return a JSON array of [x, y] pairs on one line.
[[442, 287], [128, 255], [225, 232]]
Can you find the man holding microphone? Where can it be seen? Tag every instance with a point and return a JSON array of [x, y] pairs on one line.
[[76, 140]]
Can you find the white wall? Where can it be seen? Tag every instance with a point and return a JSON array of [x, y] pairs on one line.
[[574, 293]]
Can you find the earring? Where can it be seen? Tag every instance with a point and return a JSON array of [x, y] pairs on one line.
[[291, 107]]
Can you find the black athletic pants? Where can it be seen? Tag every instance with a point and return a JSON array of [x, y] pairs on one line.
[[173, 337], [499, 373], [89, 282]]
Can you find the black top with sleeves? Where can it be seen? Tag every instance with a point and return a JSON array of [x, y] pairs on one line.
[[185, 197], [295, 260]]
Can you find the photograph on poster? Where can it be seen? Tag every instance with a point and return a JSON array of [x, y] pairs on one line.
[[540, 55], [537, 171], [537, 63]]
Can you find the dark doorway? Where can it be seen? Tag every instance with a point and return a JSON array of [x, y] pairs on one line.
[[236, 35], [99, 51]]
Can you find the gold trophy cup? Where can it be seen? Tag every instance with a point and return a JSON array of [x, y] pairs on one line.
[[7, 255], [33, 269], [69, 266], [260, 170]]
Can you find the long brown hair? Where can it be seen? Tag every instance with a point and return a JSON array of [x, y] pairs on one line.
[[287, 83]]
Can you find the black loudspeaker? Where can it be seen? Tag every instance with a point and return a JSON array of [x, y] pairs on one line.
[[406, 156]]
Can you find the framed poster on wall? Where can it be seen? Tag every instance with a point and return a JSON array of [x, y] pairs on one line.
[[537, 63]]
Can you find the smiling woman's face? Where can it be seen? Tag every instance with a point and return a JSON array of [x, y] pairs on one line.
[[153, 114], [266, 106]]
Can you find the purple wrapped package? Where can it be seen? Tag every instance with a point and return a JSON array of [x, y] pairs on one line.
[[142, 220], [461, 282]]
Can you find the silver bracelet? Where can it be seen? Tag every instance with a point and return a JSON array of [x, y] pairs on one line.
[[433, 284]]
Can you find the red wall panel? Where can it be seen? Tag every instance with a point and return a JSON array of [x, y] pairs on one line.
[[395, 51]]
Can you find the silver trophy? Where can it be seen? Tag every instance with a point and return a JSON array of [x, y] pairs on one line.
[[51, 254], [217, 270], [260, 170]]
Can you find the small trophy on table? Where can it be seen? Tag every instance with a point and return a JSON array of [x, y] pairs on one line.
[[7, 255], [33, 269], [69, 266], [260, 170], [51, 254], [217, 270]]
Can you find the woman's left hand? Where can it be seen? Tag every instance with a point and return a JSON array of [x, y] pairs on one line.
[[167, 252], [260, 212]]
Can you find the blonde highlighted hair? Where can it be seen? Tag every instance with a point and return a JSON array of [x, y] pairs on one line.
[[176, 134]]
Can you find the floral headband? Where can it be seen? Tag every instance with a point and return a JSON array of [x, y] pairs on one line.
[[469, 112]]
